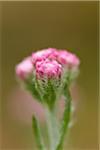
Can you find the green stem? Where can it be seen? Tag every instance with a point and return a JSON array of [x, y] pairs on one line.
[[52, 128], [37, 132], [65, 121]]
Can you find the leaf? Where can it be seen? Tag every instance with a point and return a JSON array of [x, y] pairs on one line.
[[32, 88], [37, 132]]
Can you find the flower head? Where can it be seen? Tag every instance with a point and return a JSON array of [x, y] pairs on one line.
[[38, 56], [24, 69], [47, 72], [67, 58], [50, 53], [48, 69]]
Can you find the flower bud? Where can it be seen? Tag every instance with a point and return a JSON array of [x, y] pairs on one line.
[[69, 59], [24, 69], [48, 69], [48, 76], [50, 53], [47, 73], [70, 63]]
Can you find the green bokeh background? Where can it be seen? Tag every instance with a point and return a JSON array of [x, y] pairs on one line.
[[29, 26]]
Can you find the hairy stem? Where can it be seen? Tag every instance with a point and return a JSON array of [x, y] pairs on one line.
[[52, 125], [65, 120]]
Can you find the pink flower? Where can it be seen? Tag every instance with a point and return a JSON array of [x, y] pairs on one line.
[[68, 58], [48, 71], [50, 53], [24, 69], [47, 62], [62, 57], [48, 68], [38, 56]]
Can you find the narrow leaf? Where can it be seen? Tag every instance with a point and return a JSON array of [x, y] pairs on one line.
[[37, 132]]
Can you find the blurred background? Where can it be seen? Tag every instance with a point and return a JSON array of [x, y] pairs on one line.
[[31, 26]]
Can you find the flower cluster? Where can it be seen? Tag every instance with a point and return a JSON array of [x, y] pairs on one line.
[[46, 69], [48, 62]]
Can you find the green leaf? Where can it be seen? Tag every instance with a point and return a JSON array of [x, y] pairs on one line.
[[37, 132], [30, 86]]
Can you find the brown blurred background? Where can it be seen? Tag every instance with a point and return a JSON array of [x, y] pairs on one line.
[[29, 26]]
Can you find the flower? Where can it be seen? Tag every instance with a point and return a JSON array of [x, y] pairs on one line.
[[62, 56], [38, 56], [68, 58], [48, 80], [48, 68], [45, 73], [50, 53], [24, 69]]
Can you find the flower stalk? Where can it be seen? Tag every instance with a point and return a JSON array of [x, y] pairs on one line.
[[52, 125], [47, 74], [65, 120]]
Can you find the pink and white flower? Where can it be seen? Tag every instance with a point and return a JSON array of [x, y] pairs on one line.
[[48, 63], [48, 68], [68, 58], [50, 53], [62, 56], [24, 69]]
